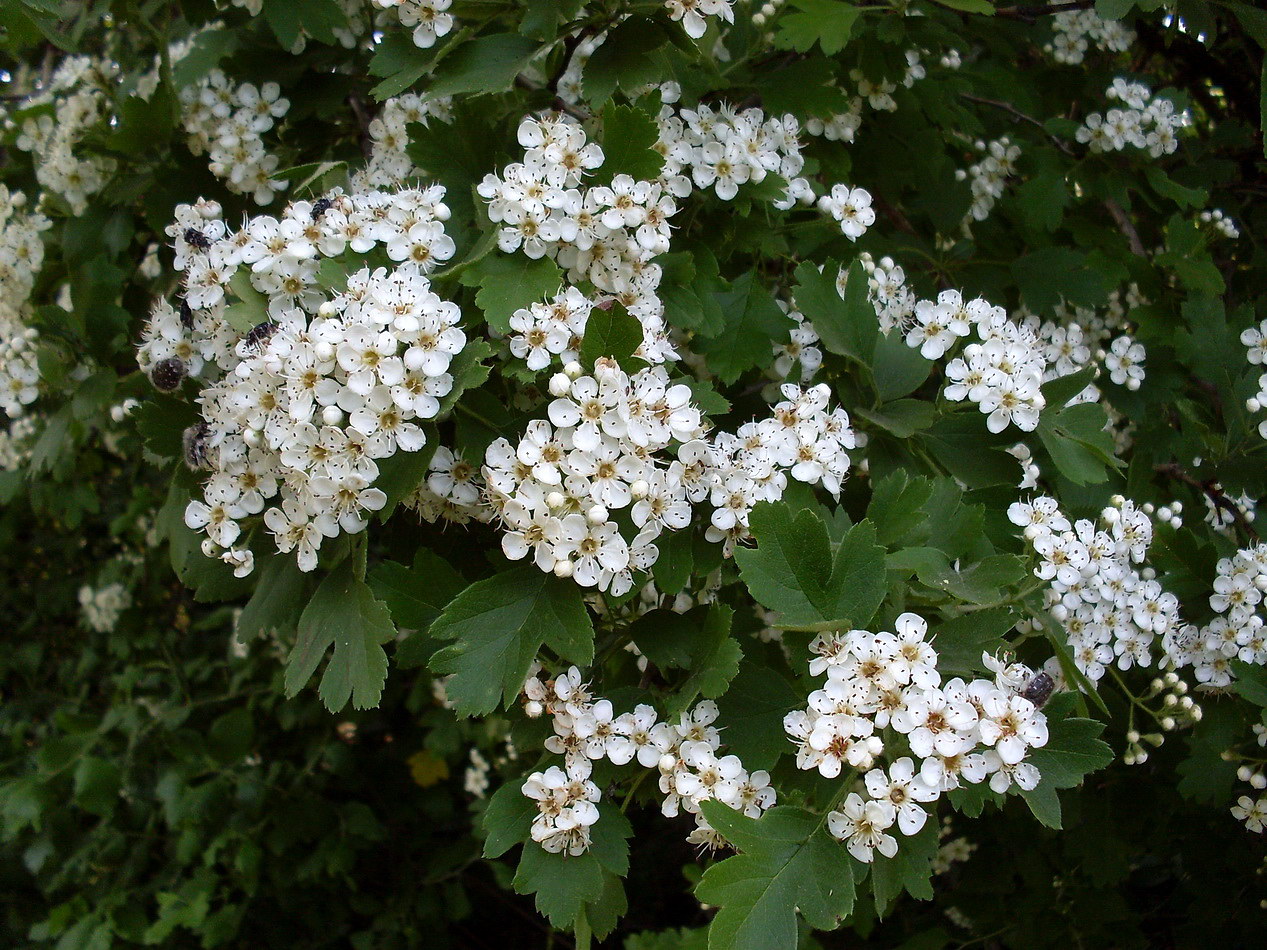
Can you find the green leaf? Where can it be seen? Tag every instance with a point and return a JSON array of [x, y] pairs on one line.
[[753, 709], [1042, 199], [511, 282], [343, 613], [910, 870], [1167, 187], [1250, 682], [969, 6], [629, 138], [804, 88], [829, 23], [1072, 751], [564, 884], [896, 508], [611, 332], [400, 64], [794, 571], [788, 863], [1078, 444], [498, 626], [1052, 274], [630, 57], [848, 327], [97, 782], [317, 18], [401, 473], [483, 65], [415, 595], [276, 603], [902, 417], [715, 659], [752, 321], [508, 819], [897, 369], [961, 640]]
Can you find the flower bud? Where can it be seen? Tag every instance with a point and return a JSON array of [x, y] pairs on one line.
[[573, 370], [563, 568], [667, 762], [556, 499], [332, 415], [560, 384], [639, 489], [597, 515], [533, 709]]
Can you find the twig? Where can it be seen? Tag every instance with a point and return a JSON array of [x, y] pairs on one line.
[[1029, 13], [1127, 227], [899, 220], [1210, 488], [1019, 116], [363, 120]]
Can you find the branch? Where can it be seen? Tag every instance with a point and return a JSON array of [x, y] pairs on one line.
[[1029, 13], [1126, 226], [1210, 488], [558, 104], [1019, 116]]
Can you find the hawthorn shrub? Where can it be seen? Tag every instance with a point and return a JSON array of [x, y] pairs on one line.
[[683, 473]]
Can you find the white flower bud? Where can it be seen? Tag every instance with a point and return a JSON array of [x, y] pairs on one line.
[[1060, 612], [251, 437], [332, 415], [1258, 780], [1132, 736], [556, 499], [667, 762], [324, 351], [1172, 678], [573, 370], [533, 709], [560, 385], [597, 515], [563, 568], [1168, 724], [1253, 405], [639, 489], [327, 310], [1243, 773]]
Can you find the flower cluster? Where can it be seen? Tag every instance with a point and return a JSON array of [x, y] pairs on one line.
[[722, 149], [101, 607], [1077, 30], [691, 13], [874, 94], [587, 729], [227, 122], [800, 350], [21, 257], [1144, 121], [16, 442], [1107, 607], [389, 163], [988, 177], [77, 99], [956, 732], [302, 405], [557, 488], [1237, 632], [430, 19]]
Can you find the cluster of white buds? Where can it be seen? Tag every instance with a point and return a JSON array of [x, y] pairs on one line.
[[988, 177], [21, 257], [101, 607], [77, 100], [429, 19], [1144, 122], [389, 163], [692, 14], [227, 122], [1077, 30], [1106, 606], [332, 379], [1220, 222], [587, 729], [1171, 514], [956, 732], [1125, 362], [722, 149]]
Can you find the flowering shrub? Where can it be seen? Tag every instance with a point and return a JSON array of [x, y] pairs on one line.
[[681, 473]]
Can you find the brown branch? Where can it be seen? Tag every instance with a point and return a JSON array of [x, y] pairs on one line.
[[1126, 226], [558, 104], [1212, 490], [899, 220]]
